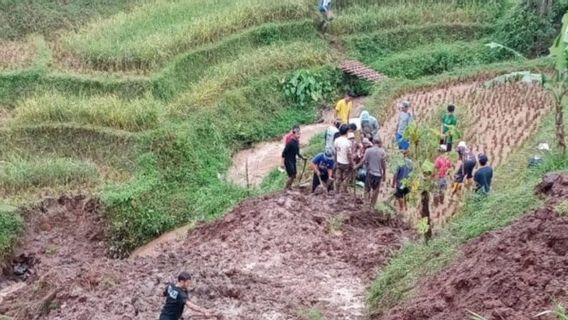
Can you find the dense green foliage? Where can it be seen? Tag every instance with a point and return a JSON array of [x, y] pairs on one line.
[[11, 224], [529, 27]]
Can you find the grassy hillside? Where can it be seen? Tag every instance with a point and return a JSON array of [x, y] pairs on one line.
[[144, 103]]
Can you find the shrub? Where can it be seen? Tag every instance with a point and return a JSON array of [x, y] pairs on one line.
[[305, 86], [11, 225], [528, 28]]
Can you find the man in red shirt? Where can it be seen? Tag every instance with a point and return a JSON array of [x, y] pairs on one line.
[[442, 165]]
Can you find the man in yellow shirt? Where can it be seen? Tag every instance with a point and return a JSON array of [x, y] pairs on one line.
[[343, 108]]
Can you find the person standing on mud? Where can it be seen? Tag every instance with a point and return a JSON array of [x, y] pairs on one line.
[[483, 176], [369, 126], [468, 161], [177, 298], [343, 108], [404, 119], [399, 182], [449, 122], [330, 135], [442, 165], [375, 162], [322, 165], [343, 159], [289, 155]]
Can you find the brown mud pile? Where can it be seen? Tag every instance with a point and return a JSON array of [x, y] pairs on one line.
[[515, 273], [270, 258]]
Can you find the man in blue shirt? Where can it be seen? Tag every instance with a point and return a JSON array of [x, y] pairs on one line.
[[404, 119], [483, 176], [323, 166]]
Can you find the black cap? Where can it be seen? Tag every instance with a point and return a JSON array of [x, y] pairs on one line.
[[184, 276]]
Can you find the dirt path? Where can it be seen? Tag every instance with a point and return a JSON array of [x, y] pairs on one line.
[[514, 273], [270, 258], [265, 157]]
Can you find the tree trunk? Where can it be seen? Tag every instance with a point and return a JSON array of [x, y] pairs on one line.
[[425, 213], [559, 123]]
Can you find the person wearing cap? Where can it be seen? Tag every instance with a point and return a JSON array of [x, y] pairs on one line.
[[399, 182], [483, 176], [369, 125], [177, 298], [343, 159], [442, 165], [404, 119], [343, 108], [449, 121], [289, 154], [322, 165], [468, 161], [374, 161], [331, 135]]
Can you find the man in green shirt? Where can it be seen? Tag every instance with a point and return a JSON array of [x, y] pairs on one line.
[[449, 121]]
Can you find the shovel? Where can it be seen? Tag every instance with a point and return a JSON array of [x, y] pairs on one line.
[[303, 171], [323, 185]]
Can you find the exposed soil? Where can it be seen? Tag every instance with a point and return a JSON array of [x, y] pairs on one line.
[[16, 54], [269, 258], [266, 156], [515, 273]]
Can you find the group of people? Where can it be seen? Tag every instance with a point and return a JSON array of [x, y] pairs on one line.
[[354, 151]]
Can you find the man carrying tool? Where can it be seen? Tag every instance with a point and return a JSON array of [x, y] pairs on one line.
[[343, 159], [177, 298], [343, 108], [322, 165], [404, 119], [375, 162], [290, 135], [289, 154], [369, 126]]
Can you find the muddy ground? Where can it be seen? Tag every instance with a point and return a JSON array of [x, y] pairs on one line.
[[514, 273], [270, 258]]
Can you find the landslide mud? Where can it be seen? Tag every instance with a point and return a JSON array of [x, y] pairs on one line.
[[515, 273], [270, 258]]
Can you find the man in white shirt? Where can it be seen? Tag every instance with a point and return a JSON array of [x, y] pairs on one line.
[[343, 159]]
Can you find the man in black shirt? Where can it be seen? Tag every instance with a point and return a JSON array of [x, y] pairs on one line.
[[177, 298], [483, 176], [291, 151]]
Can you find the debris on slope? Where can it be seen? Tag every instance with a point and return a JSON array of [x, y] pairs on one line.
[[269, 258], [515, 273]]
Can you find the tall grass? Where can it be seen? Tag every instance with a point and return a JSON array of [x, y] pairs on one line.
[[11, 225], [20, 174], [23, 17], [273, 58], [107, 111], [162, 29], [370, 47], [368, 19], [438, 58]]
